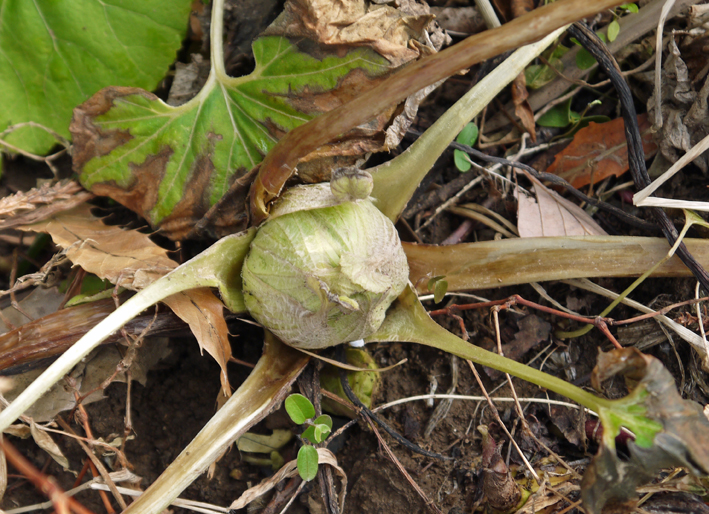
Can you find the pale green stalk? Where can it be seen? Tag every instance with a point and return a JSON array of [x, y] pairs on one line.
[[396, 180], [218, 266], [264, 388], [408, 321]]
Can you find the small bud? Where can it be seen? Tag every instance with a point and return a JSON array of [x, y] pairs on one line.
[[350, 184]]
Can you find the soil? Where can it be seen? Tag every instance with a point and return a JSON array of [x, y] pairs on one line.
[[180, 394]]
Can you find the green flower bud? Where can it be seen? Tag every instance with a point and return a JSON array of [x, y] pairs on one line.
[[349, 184], [324, 274]]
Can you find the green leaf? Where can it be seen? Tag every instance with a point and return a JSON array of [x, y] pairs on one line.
[[439, 286], [324, 420], [468, 136], [299, 408], [613, 30], [321, 432], [558, 116], [307, 463], [633, 8], [584, 60], [440, 290], [171, 164], [54, 54]]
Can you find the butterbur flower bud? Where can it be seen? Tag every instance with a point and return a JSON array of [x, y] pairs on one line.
[[324, 271], [349, 184]]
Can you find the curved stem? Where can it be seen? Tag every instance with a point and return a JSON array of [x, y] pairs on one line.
[[218, 266], [396, 181], [266, 386], [151, 295], [409, 321]]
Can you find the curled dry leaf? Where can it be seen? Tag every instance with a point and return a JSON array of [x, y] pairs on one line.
[[520, 96], [685, 111], [501, 490], [45, 441], [552, 215], [40, 202], [130, 259], [599, 151], [674, 432]]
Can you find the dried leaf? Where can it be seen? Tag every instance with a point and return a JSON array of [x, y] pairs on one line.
[[681, 441], [500, 489], [130, 259], [685, 111], [45, 441], [355, 23], [522, 108], [599, 151], [40, 203], [552, 215]]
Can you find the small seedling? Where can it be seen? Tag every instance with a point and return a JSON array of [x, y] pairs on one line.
[[468, 136], [301, 411]]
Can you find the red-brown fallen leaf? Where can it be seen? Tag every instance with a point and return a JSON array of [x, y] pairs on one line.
[[599, 151], [130, 259]]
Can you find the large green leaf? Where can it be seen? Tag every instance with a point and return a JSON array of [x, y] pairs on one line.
[[171, 164], [54, 54]]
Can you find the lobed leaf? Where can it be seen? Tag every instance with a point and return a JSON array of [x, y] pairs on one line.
[[172, 164]]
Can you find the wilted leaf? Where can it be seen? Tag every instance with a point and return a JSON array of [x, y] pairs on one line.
[[130, 259], [669, 431], [522, 108], [356, 23], [45, 441], [599, 151], [685, 120], [552, 215], [40, 202], [55, 54], [171, 164]]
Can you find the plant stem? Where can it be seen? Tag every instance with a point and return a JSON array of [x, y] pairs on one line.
[[409, 321], [279, 164], [218, 266], [396, 180], [486, 264], [151, 295]]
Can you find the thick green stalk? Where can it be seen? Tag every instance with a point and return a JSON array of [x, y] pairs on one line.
[[486, 264], [218, 266], [396, 180], [265, 388], [409, 321]]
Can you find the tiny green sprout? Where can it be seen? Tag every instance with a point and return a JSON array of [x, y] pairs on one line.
[[439, 286], [468, 136], [301, 410]]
